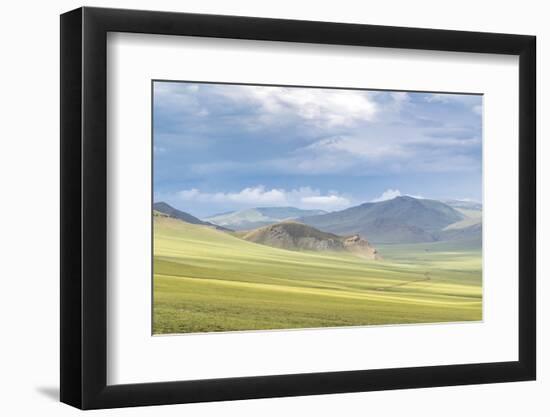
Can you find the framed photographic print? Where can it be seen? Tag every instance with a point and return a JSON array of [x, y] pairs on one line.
[[258, 208]]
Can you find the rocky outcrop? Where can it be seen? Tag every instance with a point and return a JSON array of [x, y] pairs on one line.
[[360, 247], [300, 237]]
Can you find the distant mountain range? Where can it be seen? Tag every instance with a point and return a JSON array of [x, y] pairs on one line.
[[258, 217], [463, 204], [471, 232], [167, 210], [401, 220], [297, 236]]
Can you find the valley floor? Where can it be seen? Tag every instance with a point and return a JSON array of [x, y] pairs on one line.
[[206, 280]]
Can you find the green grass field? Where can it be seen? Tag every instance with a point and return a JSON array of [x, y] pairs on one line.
[[206, 281]]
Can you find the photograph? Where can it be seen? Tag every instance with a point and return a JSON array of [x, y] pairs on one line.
[[280, 205], [292, 207]]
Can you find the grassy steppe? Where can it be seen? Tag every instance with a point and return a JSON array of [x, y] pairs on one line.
[[206, 280]]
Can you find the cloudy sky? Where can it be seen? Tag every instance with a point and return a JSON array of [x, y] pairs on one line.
[[227, 147]]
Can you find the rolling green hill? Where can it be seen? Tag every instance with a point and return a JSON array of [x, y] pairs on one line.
[[206, 280]]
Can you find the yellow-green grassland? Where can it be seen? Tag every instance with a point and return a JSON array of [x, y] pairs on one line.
[[207, 280]]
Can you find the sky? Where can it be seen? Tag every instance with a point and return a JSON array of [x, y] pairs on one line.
[[224, 147]]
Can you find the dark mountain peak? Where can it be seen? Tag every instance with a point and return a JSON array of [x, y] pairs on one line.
[[366, 204], [167, 209], [403, 219], [161, 205], [403, 199]]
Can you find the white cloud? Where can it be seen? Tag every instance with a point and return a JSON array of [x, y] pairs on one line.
[[180, 97], [322, 107], [310, 131], [391, 149], [387, 195], [303, 197], [438, 98], [450, 98], [400, 100], [390, 194], [251, 195], [328, 202], [468, 100], [366, 148]]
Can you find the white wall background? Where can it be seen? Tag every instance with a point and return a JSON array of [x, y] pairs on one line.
[[29, 219]]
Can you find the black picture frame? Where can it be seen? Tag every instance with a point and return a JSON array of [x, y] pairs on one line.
[[84, 207]]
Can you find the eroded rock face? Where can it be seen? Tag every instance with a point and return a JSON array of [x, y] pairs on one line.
[[297, 236], [294, 236], [353, 240], [360, 247]]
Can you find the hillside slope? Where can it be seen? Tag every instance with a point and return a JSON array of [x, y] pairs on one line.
[[297, 236], [168, 210], [400, 220], [209, 281]]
